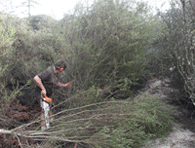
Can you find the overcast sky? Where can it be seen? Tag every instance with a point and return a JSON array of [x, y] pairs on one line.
[[55, 8]]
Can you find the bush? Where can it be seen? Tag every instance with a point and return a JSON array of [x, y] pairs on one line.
[[102, 48], [7, 38], [30, 52], [148, 118]]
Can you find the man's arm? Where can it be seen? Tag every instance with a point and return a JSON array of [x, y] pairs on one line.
[[67, 85], [40, 84]]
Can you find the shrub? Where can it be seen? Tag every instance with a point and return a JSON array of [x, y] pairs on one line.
[[148, 118], [106, 44], [7, 38]]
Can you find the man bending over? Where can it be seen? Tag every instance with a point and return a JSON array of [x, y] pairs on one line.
[[46, 81]]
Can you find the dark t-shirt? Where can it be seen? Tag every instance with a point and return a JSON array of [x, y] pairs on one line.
[[49, 80]]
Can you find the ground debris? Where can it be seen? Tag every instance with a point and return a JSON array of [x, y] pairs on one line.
[[16, 116]]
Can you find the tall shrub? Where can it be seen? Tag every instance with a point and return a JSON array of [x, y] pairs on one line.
[[175, 46], [7, 38], [107, 44]]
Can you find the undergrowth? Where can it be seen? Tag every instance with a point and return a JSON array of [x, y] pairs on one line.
[[114, 124], [150, 118]]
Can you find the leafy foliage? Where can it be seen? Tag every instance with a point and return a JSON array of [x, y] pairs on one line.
[[107, 45], [148, 118], [7, 39], [42, 21]]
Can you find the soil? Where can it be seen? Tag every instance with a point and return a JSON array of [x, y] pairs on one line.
[[183, 134]]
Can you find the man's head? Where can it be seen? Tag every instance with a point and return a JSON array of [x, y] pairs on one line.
[[60, 66]]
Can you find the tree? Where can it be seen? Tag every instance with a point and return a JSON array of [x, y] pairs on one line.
[[175, 46], [186, 49], [6, 6], [38, 22], [111, 39], [7, 38], [29, 4]]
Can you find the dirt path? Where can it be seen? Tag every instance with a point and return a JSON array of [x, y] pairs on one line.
[[183, 134]]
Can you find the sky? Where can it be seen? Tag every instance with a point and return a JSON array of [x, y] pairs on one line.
[[55, 8]]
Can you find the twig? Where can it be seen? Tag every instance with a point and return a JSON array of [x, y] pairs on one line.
[[75, 146], [19, 141]]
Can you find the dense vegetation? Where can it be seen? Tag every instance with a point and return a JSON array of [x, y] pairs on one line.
[[112, 48]]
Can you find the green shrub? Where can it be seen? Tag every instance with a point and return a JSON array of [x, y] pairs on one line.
[[107, 44], [148, 118], [7, 38]]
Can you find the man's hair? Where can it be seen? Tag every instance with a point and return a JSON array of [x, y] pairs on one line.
[[60, 64]]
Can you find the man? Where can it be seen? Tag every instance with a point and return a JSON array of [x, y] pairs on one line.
[[46, 81]]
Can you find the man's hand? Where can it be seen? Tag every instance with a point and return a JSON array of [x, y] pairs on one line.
[[67, 85], [47, 99]]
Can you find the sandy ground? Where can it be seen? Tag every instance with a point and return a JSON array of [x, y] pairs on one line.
[[179, 138], [183, 134]]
